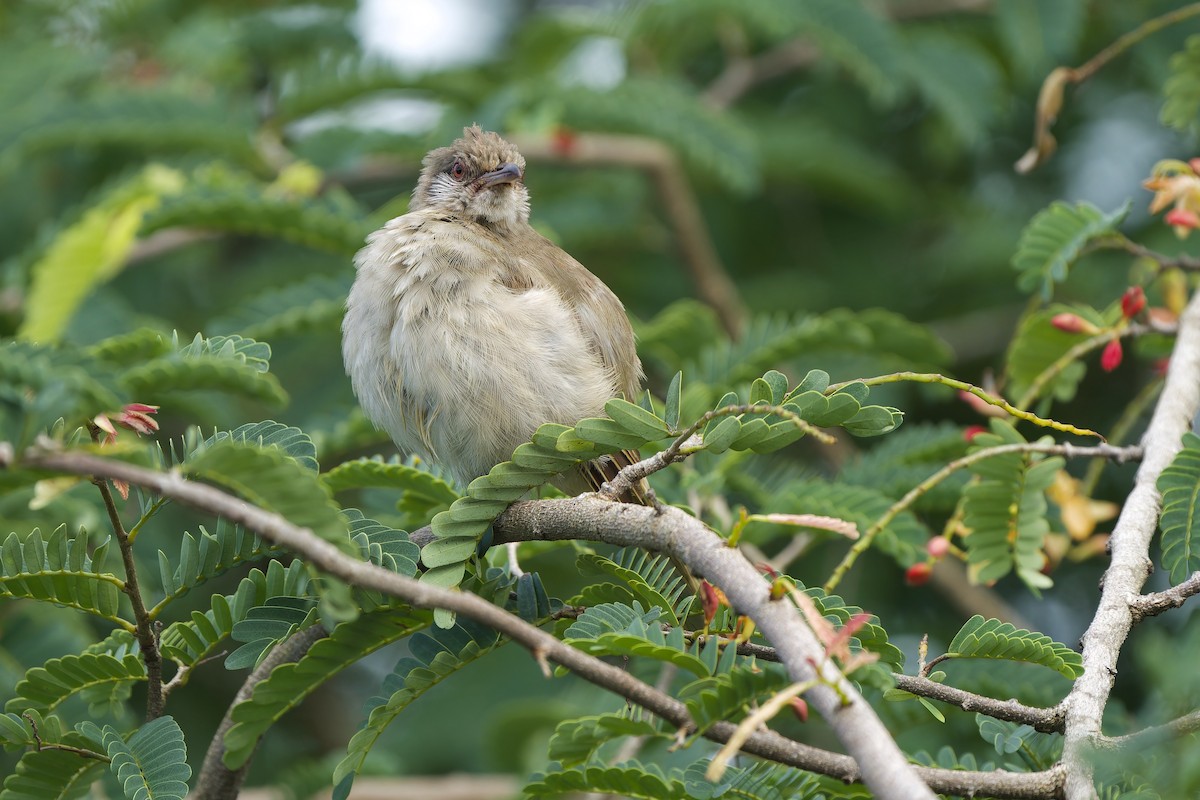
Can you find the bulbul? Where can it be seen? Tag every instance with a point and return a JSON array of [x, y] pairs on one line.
[[466, 329]]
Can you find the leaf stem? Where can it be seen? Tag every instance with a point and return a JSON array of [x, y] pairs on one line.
[[1067, 450]]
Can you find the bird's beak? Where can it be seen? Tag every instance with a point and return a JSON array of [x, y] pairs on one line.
[[508, 173]]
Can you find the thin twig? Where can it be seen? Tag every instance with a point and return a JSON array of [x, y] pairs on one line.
[[144, 631], [1180, 726], [999, 402], [39, 745], [1120, 241], [1050, 98], [1075, 352], [1151, 605], [689, 442], [1118, 454], [1046, 720]]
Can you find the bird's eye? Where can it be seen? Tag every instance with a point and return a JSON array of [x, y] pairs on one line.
[[458, 171]]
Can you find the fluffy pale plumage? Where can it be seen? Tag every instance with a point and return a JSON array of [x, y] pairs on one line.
[[466, 329]]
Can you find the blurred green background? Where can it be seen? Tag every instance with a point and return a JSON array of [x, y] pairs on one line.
[[842, 154]]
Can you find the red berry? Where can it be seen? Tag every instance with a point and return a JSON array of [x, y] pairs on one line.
[[918, 573], [971, 431]]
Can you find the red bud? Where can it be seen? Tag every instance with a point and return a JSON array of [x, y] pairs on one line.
[[918, 573], [1068, 323], [971, 431], [1110, 359], [709, 600], [1194, 163], [564, 141], [800, 709], [1182, 218], [1133, 301]]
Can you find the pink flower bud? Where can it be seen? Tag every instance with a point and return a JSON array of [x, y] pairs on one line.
[[1067, 322], [971, 431], [938, 546]]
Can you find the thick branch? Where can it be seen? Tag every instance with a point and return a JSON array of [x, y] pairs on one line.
[[594, 519], [217, 781], [1130, 545]]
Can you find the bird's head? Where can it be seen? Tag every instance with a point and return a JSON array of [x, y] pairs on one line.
[[479, 176]]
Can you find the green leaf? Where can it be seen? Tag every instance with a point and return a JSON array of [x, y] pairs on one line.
[[575, 740], [991, 638], [206, 556], [268, 433], [671, 413], [1180, 487], [192, 640], [233, 364], [858, 38], [630, 780], [615, 629], [1006, 510], [60, 570], [636, 419], [760, 780], [55, 774], [366, 473], [153, 763], [722, 432], [274, 481], [1038, 344], [1054, 239], [435, 655], [1181, 106], [729, 696], [44, 688], [313, 305], [959, 79], [91, 252], [651, 579], [291, 683]]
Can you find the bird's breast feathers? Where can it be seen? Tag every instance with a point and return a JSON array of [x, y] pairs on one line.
[[476, 351]]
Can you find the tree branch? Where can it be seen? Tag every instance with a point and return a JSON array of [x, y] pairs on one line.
[[1130, 545], [1151, 605], [1046, 720], [144, 631], [217, 781], [588, 517], [1180, 726]]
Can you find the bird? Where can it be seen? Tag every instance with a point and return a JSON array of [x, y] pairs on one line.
[[466, 329]]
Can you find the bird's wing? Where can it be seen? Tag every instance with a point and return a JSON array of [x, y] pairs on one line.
[[599, 312]]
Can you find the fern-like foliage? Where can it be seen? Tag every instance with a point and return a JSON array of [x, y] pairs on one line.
[[905, 458], [1038, 344], [291, 683], [233, 364], [759, 781], [268, 433], [219, 197], [1181, 107], [314, 304], [556, 448], [1180, 487], [267, 625], [870, 635], [435, 655], [53, 773], [903, 539], [423, 492], [617, 629], [1054, 239], [644, 577], [628, 779], [857, 37], [991, 638], [1037, 751], [190, 641], [205, 556], [60, 570], [44, 688], [729, 695], [1006, 510], [959, 79], [90, 252], [275, 481], [575, 740], [152, 763]]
